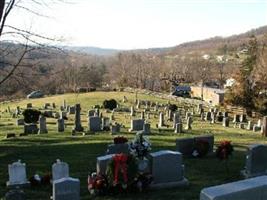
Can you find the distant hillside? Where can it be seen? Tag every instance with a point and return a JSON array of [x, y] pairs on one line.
[[92, 50]]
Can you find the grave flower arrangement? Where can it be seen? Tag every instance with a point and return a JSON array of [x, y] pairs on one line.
[[224, 150], [97, 184], [120, 140], [121, 172], [37, 180], [140, 146], [201, 148]]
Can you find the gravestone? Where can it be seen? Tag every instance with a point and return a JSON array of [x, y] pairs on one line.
[[185, 146], [243, 118], [209, 139], [105, 123], [15, 194], [102, 163], [137, 125], [94, 124], [199, 108], [256, 128], [63, 114], [249, 189], [97, 112], [17, 175], [91, 113], [46, 105], [208, 116], [60, 170], [118, 148], [30, 129], [64, 104], [189, 123], [249, 126], [213, 117], [176, 119], [167, 169], [146, 129], [132, 111], [178, 128], [48, 113], [60, 125], [66, 189], [115, 128], [142, 115], [236, 119], [29, 105], [78, 126], [161, 120], [42, 125], [53, 105], [256, 161], [242, 125], [225, 122], [170, 115], [202, 116], [72, 109], [20, 122]]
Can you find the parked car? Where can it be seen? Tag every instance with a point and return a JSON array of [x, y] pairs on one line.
[[35, 94]]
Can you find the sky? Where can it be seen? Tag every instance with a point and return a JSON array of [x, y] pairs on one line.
[[135, 24]]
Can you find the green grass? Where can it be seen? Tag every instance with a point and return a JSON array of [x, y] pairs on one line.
[[39, 152]]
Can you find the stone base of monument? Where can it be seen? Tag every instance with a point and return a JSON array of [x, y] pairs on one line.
[[245, 174], [182, 183], [17, 185]]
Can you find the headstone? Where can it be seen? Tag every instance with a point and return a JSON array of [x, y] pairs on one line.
[[29, 105], [189, 123], [78, 126], [178, 128], [225, 122], [60, 170], [94, 124], [102, 163], [146, 129], [242, 125], [236, 119], [173, 176], [202, 116], [115, 128], [64, 104], [199, 108], [132, 111], [105, 123], [161, 120], [20, 122], [118, 148], [63, 114], [225, 114], [91, 113], [30, 128], [46, 105], [249, 189], [137, 124], [142, 115], [213, 117], [170, 115], [66, 189], [209, 139], [185, 146], [256, 128], [48, 113], [72, 109], [176, 119], [256, 161], [17, 175], [208, 116], [42, 125], [249, 126], [15, 194], [96, 113], [60, 125], [243, 118], [53, 105]]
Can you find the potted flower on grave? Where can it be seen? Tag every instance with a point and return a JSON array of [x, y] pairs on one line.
[[97, 184], [223, 152], [121, 172], [140, 146]]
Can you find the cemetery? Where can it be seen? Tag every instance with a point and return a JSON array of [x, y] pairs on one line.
[[110, 145]]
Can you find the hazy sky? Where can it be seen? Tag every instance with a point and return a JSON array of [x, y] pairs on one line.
[[130, 24]]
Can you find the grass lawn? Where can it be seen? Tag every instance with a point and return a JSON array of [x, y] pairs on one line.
[[39, 152]]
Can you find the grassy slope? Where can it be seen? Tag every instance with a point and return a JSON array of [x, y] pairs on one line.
[[40, 151]]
